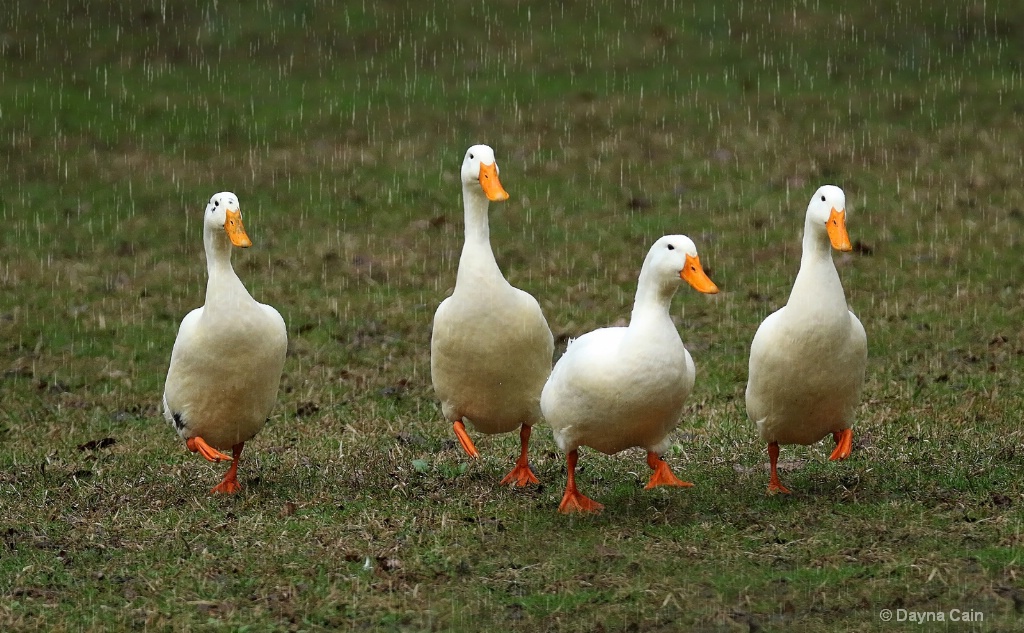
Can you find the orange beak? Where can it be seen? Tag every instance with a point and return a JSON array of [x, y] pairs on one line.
[[836, 227], [235, 230], [693, 274], [490, 183]]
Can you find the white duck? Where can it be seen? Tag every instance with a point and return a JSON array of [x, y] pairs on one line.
[[807, 359], [620, 387], [227, 359], [490, 348]]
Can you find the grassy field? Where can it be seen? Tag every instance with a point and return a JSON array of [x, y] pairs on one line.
[[341, 127]]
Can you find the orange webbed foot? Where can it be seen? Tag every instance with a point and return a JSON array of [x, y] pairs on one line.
[[464, 439], [844, 444], [199, 445], [521, 475], [572, 500], [662, 475], [229, 485]]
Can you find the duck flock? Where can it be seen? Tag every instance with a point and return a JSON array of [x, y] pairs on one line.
[[491, 352]]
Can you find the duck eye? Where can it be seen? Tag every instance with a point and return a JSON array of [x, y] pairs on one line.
[[823, 198], [671, 248], [216, 203], [471, 157]]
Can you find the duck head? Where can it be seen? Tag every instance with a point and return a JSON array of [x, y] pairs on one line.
[[479, 169], [828, 209], [675, 257], [223, 214]]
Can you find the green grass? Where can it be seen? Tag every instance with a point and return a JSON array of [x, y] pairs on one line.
[[341, 127]]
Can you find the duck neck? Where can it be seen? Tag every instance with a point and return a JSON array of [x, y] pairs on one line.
[[817, 283], [222, 281], [476, 252], [652, 301]]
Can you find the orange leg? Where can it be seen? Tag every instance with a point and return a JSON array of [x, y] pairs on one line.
[[198, 445], [774, 485], [662, 475], [229, 485], [572, 500], [464, 439], [521, 475], [844, 444]]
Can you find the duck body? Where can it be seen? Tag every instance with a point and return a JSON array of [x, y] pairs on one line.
[[490, 346], [217, 347], [621, 387], [228, 356], [490, 355], [808, 359], [617, 388], [807, 365]]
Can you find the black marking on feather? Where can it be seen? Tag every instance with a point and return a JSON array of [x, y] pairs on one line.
[[179, 422]]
